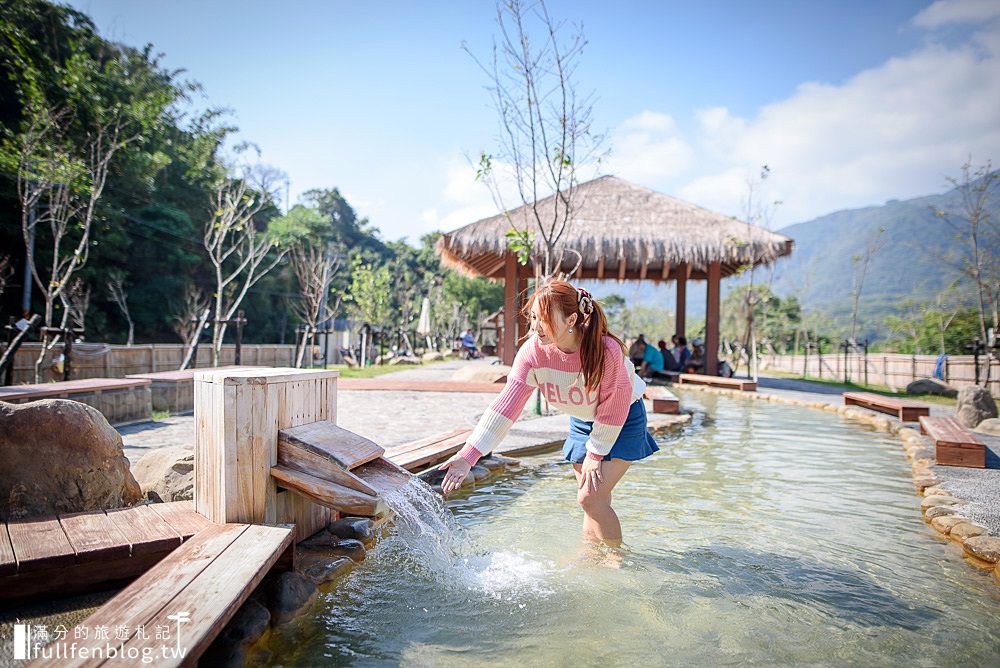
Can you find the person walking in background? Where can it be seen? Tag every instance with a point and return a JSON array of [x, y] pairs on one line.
[[583, 370]]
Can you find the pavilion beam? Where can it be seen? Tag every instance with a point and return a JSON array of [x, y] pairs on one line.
[[621, 269], [712, 319], [509, 310], [645, 265], [665, 272], [600, 267], [681, 311]]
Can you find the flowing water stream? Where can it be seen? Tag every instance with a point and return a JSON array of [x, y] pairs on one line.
[[762, 533]]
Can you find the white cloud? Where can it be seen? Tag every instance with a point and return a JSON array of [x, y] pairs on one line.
[[647, 147], [891, 131], [950, 12]]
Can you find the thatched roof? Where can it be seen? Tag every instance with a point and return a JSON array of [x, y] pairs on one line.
[[622, 231]]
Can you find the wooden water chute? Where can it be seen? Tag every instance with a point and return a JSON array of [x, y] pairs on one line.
[[268, 451]]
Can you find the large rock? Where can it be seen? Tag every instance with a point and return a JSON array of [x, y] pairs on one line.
[[989, 426], [60, 456], [975, 405], [286, 595], [167, 474], [247, 626], [931, 386]]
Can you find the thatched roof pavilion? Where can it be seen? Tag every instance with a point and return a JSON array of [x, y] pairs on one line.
[[622, 231]]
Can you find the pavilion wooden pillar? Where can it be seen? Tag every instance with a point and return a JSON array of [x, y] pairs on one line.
[[682, 274], [509, 309], [712, 319]]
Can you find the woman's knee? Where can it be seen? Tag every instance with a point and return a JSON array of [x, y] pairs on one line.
[[592, 501]]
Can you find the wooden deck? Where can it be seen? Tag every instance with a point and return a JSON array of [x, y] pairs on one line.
[[16, 393], [79, 552], [193, 593], [422, 453], [904, 409], [743, 384], [664, 401]]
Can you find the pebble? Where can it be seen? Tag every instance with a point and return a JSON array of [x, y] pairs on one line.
[[940, 511], [965, 530], [945, 523], [983, 547], [937, 500]]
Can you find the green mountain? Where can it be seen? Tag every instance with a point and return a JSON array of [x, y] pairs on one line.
[[919, 256]]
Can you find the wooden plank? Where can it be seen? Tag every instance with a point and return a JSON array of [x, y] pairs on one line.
[[293, 457], [40, 543], [327, 493], [327, 440], [217, 593], [397, 450], [140, 602], [69, 387], [665, 270], [383, 476], [430, 454], [94, 536], [955, 445], [144, 529], [8, 563], [600, 266], [181, 517], [262, 429], [663, 400], [621, 269], [717, 381]]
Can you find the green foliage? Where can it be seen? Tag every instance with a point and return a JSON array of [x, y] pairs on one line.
[[521, 243], [370, 292], [301, 223], [776, 319]]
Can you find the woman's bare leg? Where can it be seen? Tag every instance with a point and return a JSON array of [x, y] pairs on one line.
[[600, 522]]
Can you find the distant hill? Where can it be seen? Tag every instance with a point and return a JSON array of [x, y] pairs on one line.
[[912, 262], [916, 260]]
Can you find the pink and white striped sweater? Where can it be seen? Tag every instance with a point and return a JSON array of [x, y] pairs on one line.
[[559, 376]]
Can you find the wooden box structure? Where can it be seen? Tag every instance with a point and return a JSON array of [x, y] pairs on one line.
[[954, 444], [237, 418]]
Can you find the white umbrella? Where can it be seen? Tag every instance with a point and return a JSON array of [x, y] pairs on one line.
[[424, 322]]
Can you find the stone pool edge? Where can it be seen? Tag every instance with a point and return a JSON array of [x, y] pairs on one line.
[[939, 507]]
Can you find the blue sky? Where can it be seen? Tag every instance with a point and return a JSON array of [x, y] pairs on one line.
[[850, 102]]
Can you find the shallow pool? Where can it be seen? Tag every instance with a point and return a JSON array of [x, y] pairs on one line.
[[762, 533]]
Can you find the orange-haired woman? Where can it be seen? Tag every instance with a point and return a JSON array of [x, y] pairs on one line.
[[582, 369]]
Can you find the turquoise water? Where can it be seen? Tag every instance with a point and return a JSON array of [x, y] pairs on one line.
[[762, 533]]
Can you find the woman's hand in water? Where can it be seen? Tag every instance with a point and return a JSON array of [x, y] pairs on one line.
[[590, 474], [455, 470]]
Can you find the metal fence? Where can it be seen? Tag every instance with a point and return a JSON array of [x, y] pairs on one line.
[[892, 370], [101, 360]]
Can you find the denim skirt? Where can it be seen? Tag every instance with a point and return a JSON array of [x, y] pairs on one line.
[[634, 442]]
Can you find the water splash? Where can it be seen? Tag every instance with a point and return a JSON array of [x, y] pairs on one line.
[[426, 534]]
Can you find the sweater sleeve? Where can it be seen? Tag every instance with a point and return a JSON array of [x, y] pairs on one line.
[[505, 409], [614, 397]]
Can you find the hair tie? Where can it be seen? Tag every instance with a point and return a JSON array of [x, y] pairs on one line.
[[585, 301]]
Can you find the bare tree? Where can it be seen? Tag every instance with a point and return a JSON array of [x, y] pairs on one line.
[[974, 224], [545, 134], [185, 316], [59, 184], [116, 287], [6, 272], [76, 301], [861, 264], [239, 252], [315, 264]]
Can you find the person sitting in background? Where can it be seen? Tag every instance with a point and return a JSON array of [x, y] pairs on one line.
[[669, 361], [696, 358], [469, 344], [680, 351], [652, 361], [635, 351]]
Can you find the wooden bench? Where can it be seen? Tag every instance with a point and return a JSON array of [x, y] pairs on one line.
[[718, 381], [191, 594], [80, 552], [955, 445], [120, 400], [429, 451], [174, 390], [663, 400], [904, 409]]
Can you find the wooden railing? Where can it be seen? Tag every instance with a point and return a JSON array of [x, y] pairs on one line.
[[100, 360]]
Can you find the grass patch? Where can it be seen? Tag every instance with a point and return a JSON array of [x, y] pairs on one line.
[[159, 416], [376, 370], [859, 387]]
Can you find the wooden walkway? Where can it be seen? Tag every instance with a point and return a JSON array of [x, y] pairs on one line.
[[79, 552], [417, 385]]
